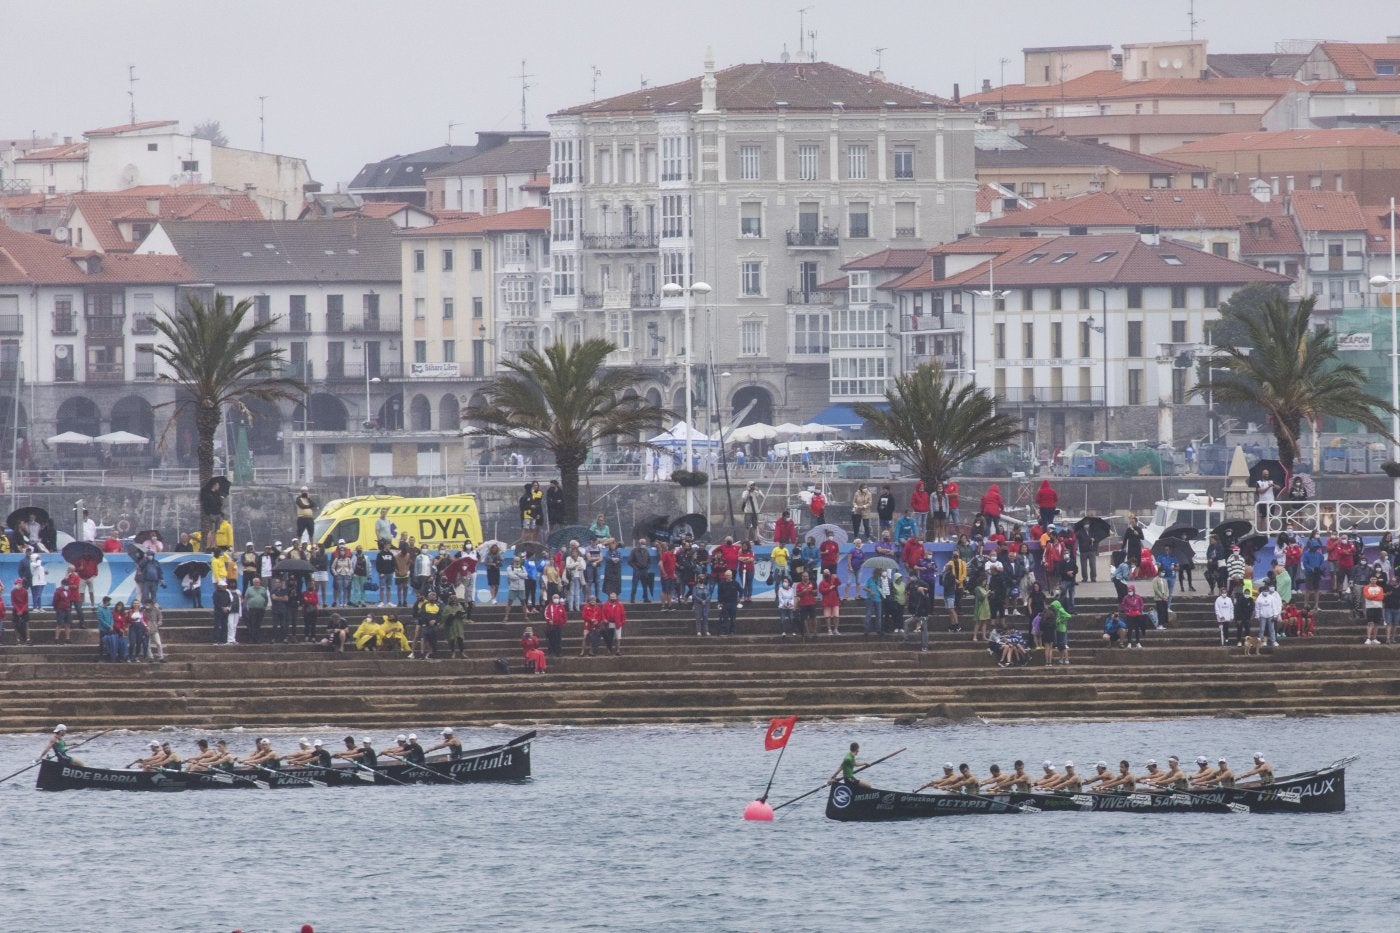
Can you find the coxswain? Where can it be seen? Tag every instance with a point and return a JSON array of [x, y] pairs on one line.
[[1050, 780], [58, 746], [996, 781], [950, 776], [172, 760], [1204, 773], [1262, 770], [449, 742], [1101, 776], [152, 761], [966, 783], [201, 759], [263, 755], [846, 773], [304, 754], [1123, 780]]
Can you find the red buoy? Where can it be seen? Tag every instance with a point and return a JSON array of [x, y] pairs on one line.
[[759, 811]]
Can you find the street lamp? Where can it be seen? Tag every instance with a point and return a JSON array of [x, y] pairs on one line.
[[989, 292], [1102, 329], [364, 356], [1381, 281], [672, 290]]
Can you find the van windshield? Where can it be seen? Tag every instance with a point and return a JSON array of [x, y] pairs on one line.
[[322, 526], [349, 529]]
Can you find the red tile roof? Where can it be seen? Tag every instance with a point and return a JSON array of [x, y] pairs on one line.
[[1111, 85], [1142, 124], [1290, 139], [1165, 207], [1357, 86], [1378, 229], [68, 152], [104, 210], [1357, 60], [527, 219], [1117, 258], [538, 183], [1093, 84], [889, 259], [1327, 211], [1265, 227], [802, 85], [1099, 209], [130, 127], [380, 209], [27, 259]]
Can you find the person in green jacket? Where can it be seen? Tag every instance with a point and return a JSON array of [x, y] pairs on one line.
[[1058, 640], [454, 619], [981, 609]]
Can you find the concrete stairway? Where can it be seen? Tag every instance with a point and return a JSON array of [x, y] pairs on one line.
[[667, 674]]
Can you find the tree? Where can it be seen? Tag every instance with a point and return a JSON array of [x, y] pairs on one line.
[[564, 401], [1279, 362], [1229, 330], [935, 425], [210, 130], [214, 364]]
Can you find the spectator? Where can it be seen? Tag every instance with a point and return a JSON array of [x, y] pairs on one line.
[[639, 560], [555, 617], [919, 504], [359, 576], [250, 563], [614, 621], [575, 573], [893, 604], [1269, 609], [950, 492], [817, 506], [223, 536], [806, 593], [1132, 541], [884, 508], [749, 504], [727, 594], [19, 607], [874, 596], [747, 564], [861, 502], [592, 615], [1114, 629], [991, 507], [981, 606], [554, 504], [1057, 636], [528, 642], [700, 601], [421, 571], [1134, 612], [222, 606], [88, 531], [1244, 614], [785, 529], [305, 509], [121, 631], [1047, 501], [38, 579], [403, 569], [598, 531], [255, 602], [907, 528], [138, 635], [779, 561], [515, 587], [829, 589], [155, 646], [787, 609], [342, 568], [62, 604]]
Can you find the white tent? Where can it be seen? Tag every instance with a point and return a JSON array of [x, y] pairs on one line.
[[753, 432], [676, 438], [813, 429], [788, 429], [121, 437], [70, 437]]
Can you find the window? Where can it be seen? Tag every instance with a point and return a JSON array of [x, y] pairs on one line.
[[858, 376], [1057, 342], [1084, 299], [858, 220], [420, 260], [751, 219], [751, 338], [1135, 338], [515, 248], [565, 277], [999, 341], [1104, 256], [1220, 249], [564, 161], [518, 295], [1212, 296], [860, 328], [1028, 341], [335, 313], [903, 161], [1056, 301], [620, 329], [1134, 387], [1159, 181], [808, 161], [1135, 296], [672, 215], [63, 362], [145, 361], [419, 308], [1027, 299], [673, 268], [750, 161], [63, 322], [447, 309], [673, 152], [1173, 260], [477, 310], [449, 351], [476, 260], [1178, 331], [447, 260], [420, 351], [857, 162], [752, 277], [152, 147], [811, 332], [1032, 189], [859, 285], [904, 223], [1178, 296], [562, 213]]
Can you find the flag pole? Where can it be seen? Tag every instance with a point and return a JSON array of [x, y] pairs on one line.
[[782, 751]]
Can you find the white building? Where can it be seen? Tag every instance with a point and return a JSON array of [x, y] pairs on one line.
[[507, 177]]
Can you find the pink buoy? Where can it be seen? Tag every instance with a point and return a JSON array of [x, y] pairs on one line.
[[760, 811]]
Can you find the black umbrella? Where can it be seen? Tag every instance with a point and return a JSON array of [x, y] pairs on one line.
[[150, 535], [1177, 548], [1184, 532], [213, 493], [654, 527], [135, 551], [293, 565], [1250, 545], [1232, 531], [75, 551], [1273, 470], [191, 568], [527, 548], [47, 536], [1098, 528], [694, 525], [563, 534]]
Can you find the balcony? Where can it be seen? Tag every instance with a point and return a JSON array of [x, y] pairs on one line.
[[619, 299], [905, 233], [106, 326], [1052, 396], [390, 322], [298, 322], [825, 238], [355, 370], [924, 324], [106, 372], [65, 325], [619, 242], [802, 296], [143, 324], [949, 362], [11, 323]]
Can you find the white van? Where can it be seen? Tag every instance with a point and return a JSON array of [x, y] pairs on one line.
[[1094, 448]]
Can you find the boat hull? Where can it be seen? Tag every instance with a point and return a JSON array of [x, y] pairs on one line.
[[507, 762], [1317, 792]]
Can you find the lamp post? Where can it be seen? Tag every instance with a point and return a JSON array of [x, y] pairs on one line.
[[1102, 329], [1381, 281], [672, 290], [989, 292], [364, 356]]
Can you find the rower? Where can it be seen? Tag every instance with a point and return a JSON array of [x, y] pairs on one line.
[[847, 771], [152, 761], [368, 758], [1019, 781], [1153, 777], [320, 754], [58, 745], [1101, 776], [223, 758], [1050, 780], [1262, 770], [1123, 780], [449, 742], [1070, 781], [172, 760], [946, 782], [997, 781], [1204, 773], [415, 753], [263, 755], [303, 755], [966, 782], [200, 760], [351, 753], [1173, 778], [1224, 777]]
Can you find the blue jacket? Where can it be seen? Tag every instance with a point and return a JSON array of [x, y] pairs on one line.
[[904, 529], [104, 620], [872, 591], [1314, 554]]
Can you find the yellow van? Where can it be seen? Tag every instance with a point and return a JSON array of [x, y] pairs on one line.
[[439, 522]]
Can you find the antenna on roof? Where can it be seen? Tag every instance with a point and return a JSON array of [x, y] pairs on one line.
[[524, 86], [262, 122], [880, 58], [1191, 17], [131, 80], [449, 132], [596, 75], [802, 31], [812, 52]]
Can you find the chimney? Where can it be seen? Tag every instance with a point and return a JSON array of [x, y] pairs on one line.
[[878, 74], [708, 85], [986, 85], [1151, 239], [957, 94], [1261, 190], [940, 267], [68, 140], [1392, 40]]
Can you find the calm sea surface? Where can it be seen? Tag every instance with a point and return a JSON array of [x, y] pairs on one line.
[[640, 829]]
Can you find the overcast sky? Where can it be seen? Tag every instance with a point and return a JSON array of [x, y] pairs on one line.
[[349, 81]]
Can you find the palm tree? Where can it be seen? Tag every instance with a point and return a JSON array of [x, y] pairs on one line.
[[935, 425], [563, 400], [212, 361], [1291, 370]]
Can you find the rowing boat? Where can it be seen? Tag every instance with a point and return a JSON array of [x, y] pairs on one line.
[[1321, 791], [509, 761]]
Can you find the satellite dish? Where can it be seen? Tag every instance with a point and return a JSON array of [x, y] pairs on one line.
[[60, 234], [1162, 63], [1176, 63], [130, 175], [61, 351]]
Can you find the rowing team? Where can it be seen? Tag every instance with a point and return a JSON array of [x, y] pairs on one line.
[[312, 754], [961, 780]]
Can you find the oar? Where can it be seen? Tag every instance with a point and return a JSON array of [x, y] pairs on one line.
[[37, 760], [219, 777], [815, 789], [291, 777], [260, 785], [435, 774], [376, 773]]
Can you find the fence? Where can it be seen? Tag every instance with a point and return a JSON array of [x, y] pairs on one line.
[[1353, 516]]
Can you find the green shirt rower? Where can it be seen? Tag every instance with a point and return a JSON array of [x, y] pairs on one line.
[[849, 766]]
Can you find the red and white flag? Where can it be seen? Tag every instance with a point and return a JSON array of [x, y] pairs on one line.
[[779, 731]]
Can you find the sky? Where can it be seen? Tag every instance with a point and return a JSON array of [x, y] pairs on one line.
[[348, 81]]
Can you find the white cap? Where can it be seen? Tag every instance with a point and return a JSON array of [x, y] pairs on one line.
[[249, 544], [341, 541], [366, 741], [277, 544], [62, 728], [1101, 764], [1202, 760], [153, 744], [318, 743], [447, 731], [1152, 762], [1223, 761], [402, 738], [947, 766], [1069, 764], [305, 489], [1258, 756], [1047, 764], [412, 737], [304, 743], [264, 741]]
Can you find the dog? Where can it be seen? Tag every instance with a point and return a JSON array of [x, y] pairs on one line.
[[1251, 644]]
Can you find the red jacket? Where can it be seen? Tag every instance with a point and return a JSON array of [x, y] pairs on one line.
[[592, 614], [1046, 497], [19, 600], [667, 560], [830, 552], [830, 589], [818, 506], [528, 643], [729, 553], [806, 594], [615, 612], [918, 502], [913, 551], [785, 531], [556, 614], [991, 502]]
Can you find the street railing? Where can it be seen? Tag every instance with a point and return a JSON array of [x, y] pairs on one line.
[[1330, 516]]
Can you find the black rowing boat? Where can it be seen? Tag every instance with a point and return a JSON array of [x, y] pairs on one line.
[[509, 761], [1321, 791]]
